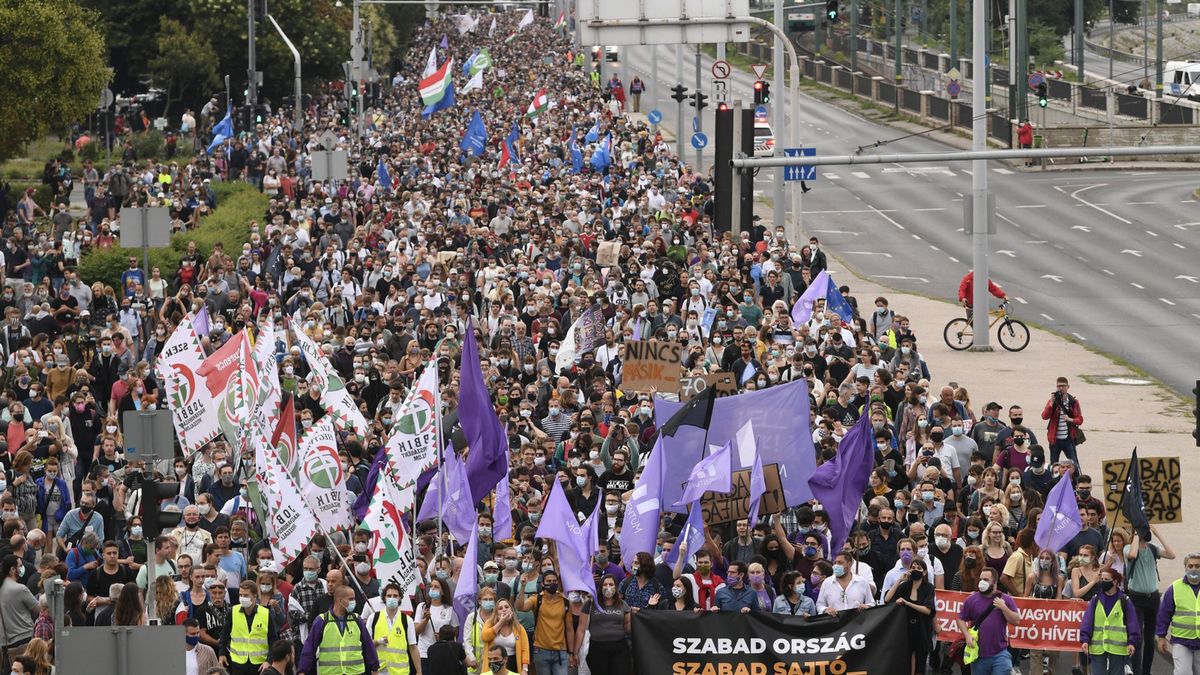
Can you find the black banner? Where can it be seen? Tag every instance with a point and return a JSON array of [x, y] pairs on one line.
[[873, 641]]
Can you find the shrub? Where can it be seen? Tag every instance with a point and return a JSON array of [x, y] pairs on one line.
[[237, 205], [147, 144], [93, 150]]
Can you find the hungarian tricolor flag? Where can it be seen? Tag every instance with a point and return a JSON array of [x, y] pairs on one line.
[[433, 88], [538, 105], [562, 21]]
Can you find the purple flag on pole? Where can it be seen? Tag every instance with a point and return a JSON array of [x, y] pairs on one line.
[[576, 542], [487, 460], [713, 474], [839, 483], [639, 527], [758, 487], [468, 580], [444, 44], [692, 534], [1060, 520], [457, 507], [200, 322], [803, 309], [364, 500], [502, 522]]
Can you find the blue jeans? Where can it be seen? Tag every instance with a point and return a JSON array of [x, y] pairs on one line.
[[1108, 664], [998, 664], [1060, 446], [549, 661]]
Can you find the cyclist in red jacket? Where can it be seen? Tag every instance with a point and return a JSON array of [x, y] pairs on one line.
[[966, 288]]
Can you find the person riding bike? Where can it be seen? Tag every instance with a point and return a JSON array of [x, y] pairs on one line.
[[966, 289]]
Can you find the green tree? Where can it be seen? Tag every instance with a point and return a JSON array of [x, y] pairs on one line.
[[52, 68], [185, 62]]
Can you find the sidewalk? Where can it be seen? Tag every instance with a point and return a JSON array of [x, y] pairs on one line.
[[1117, 417]]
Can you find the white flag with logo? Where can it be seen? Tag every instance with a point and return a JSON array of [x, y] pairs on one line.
[[412, 447], [329, 386], [190, 403], [391, 550], [290, 523], [270, 394], [322, 480]]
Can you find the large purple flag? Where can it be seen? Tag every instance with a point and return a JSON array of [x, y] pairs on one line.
[[758, 488], [712, 474], [1060, 520], [576, 542], [692, 533], [803, 309], [486, 440], [839, 483], [502, 522], [784, 440], [200, 322], [457, 508], [639, 527], [468, 580]]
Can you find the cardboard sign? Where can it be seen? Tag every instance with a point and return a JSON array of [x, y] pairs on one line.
[[652, 364], [692, 385], [735, 505], [1045, 624], [608, 254], [1160, 488]]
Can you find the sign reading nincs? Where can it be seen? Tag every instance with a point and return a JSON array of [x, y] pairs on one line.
[[652, 365]]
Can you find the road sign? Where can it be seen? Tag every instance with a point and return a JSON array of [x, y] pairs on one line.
[[106, 99], [800, 172], [760, 69], [654, 116], [146, 227], [356, 53], [327, 140], [954, 74], [699, 140], [149, 434], [1035, 79], [720, 69], [720, 91], [953, 88], [761, 111]]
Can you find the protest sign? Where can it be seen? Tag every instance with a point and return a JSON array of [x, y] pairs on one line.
[[733, 506], [1052, 625], [652, 364], [608, 253], [692, 385], [1161, 489]]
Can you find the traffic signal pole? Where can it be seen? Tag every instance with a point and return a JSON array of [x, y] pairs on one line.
[[979, 183], [679, 139], [699, 115], [777, 198], [252, 69]]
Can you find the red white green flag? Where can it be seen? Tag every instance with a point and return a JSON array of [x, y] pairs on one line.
[[538, 105]]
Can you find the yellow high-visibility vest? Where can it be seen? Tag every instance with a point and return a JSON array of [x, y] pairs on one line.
[[393, 657], [248, 642]]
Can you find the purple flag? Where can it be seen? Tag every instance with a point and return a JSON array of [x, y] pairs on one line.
[[468, 580], [576, 542], [712, 474], [487, 460], [639, 527], [502, 523], [457, 507], [200, 322], [758, 487], [1060, 520], [364, 500], [839, 483], [692, 534], [803, 309], [444, 44]]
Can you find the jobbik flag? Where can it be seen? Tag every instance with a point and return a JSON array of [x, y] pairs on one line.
[[763, 643], [231, 378], [269, 392], [190, 404], [329, 386], [412, 447], [391, 550], [290, 523], [322, 480]]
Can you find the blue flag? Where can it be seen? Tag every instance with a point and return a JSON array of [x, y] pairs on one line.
[[222, 130], [475, 139], [1060, 520], [466, 69], [839, 483], [834, 302], [576, 154], [445, 103], [602, 157], [593, 134], [385, 178]]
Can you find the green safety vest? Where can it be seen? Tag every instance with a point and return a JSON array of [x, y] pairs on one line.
[[1108, 630], [393, 657], [340, 653], [248, 643], [1185, 622]]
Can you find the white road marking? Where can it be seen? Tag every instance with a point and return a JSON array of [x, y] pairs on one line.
[[1021, 300], [917, 237], [1167, 301], [1151, 233], [1079, 337], [887, 218], [1075, 195], [953, 259], [1140, 203], [1048, 317], [1109, 273], [833, 176], [866, 210], [920, 279], [886, 255], [1007, 253], [1194, 280], [1085, 228], [853, 234], [1178, 245], [1137, 285], [1053, 277], [1136, 254], [1030, 206], [860, 174], [1004, 172], [934, 247], [932, 208]]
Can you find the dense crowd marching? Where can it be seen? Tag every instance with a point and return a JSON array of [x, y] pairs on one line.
[[386, 280]]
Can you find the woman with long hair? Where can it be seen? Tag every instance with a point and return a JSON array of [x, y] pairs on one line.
[[1045, 583], [967, 576], [681, 599], [505, 630], [608, 620], [129, 610], [791, 599], [1114, 557], [996, 548], [166, 599], [39, 651], [914, 592]]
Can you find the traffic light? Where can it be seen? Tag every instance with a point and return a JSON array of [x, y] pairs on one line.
[[680, 94], [260, 10], [260, 114], [698, 101], [722, 106], [1196, 433], [246, 116], [831, 10], [1043, 97], [758, 91], [155, 521]]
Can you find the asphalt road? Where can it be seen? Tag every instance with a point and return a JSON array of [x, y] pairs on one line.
[[1108, 257]]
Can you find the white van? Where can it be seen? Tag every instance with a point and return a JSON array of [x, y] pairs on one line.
[[764, 138], [1182, 78]]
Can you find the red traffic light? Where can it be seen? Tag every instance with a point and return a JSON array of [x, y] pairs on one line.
[[758, 85], [722, 106]]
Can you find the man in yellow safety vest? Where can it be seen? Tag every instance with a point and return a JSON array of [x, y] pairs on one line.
[[393, 635], [1179, 615], [1110, 630], [339, 642], [251, 633]]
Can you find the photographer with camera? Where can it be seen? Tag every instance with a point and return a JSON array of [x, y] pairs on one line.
[[1064, 416]]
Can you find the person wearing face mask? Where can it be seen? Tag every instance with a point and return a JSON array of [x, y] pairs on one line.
[[844, 590], [18, 607], [915, 593], [252, 630], [793, 601], [191, 537], [554, 645], [987, 430], [431, 617], [984, 619], [200, 658], [393, 635], [608, 619], [339, 641]]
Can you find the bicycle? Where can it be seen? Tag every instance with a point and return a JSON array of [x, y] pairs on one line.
[[1012, 334]]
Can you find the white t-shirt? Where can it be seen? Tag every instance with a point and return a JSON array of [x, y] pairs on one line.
[[438, 617]]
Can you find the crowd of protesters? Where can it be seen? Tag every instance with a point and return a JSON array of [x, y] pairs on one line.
[[386, 280]]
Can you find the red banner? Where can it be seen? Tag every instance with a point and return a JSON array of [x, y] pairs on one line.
[[1045, 624]]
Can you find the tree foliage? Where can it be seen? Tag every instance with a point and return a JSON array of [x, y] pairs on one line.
[[185, 62], [52, 68]]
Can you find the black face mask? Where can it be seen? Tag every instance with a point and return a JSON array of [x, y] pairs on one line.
[[885, 526], [1016, 421], [916, 575], [937, 436]]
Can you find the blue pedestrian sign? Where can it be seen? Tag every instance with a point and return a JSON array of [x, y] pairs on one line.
[[800, 172], [699, 140], [760, 111], [655, 117]]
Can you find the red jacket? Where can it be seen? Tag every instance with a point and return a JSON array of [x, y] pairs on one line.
[[1051, 413], [966, 289], [1025, 134]]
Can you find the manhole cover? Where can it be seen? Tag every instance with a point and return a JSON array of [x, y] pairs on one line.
[[1127, 380]]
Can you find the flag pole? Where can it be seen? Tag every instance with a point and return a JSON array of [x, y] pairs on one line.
[[1120, 503], [441, 474]]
